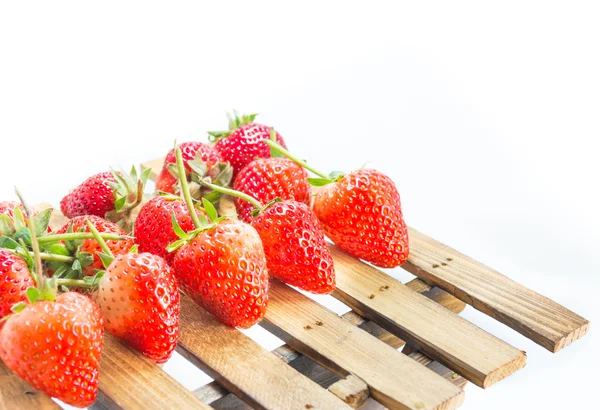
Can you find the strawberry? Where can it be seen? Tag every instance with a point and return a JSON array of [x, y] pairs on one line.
[[268, 178], [192, 152], [360, 212], [92, 246], [224, 270], [243, 142], [295, 247], [110, 195], [15, 278], [139, 299], [154, 228], [8, 208], [55, 346], [221, 264]]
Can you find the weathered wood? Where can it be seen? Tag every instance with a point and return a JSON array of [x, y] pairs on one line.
[[351, 390], [531, 314], [129, 380], [18, 394], [213, 392], [337, 345], [243, 367], [478, 356]]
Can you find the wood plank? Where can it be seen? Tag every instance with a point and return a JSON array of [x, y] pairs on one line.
[[351, 390], [18, 394], [155, 165], [444, 336], [531, 314], [214, 393], [238, 363], [337, 345], [129, 380]]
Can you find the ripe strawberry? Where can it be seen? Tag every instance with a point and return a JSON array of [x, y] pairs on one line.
[[139, 299], [153, 226], [295, 247], [268, 178], [191, 151], [244, 141], [109, 195], [361, 213], [15, 278], [91, 245], [56, 347], [225, 271]]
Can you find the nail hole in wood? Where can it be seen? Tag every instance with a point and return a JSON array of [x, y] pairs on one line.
[[435, 265], [307, 327], [371, 296], [319, 323]]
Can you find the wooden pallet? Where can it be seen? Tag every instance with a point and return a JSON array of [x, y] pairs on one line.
[[332, 362]]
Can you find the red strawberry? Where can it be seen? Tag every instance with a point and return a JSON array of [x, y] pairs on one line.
[[8, 208], [225, 271], [244, 141], [153, 227], [91, 245], [167, 180], [268, 178], [15, 278], [56, 347], [361, 213], [9, 223], [139, 299], [295, 247], [108, 195]]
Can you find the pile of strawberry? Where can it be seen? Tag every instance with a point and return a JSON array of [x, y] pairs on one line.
[[120, 262]]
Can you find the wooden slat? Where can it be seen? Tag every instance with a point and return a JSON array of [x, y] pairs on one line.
[[129, 380], [337, 345], [18, 394], [444, 336], [219, 398], [531, 314], [243, 367]]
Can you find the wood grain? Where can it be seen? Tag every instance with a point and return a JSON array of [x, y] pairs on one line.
[[238, 363], [219, 398], [531, 314], [18, 394], [339, 346], [129, 380], [444, 336]]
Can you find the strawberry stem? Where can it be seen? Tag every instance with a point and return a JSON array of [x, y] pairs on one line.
[[275, 146], [100, 241], [79, 235], [34, 242], [185, 189], [73, 283], [45, 256], [232, 192]]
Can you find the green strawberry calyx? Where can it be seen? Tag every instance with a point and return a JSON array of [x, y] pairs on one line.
[[235, 122], [128, 190], [258, 207]]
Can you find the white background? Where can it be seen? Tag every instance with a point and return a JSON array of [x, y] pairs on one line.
[[485, 114]]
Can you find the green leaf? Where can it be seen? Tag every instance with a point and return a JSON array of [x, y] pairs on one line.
[[122, 182], [76, 266], [210, 209], [49, 290], [176, 228], [94, 280], [145, 175], [120, 203], [319, 181], [19, 219], [33, 294], [133, 173], [134, 248], [335, 175], [85, 259], [7, 226], [176, 245], [58, 249], [8, 243], [23, 235], [42, 220], [18, 307], [106, 259]]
